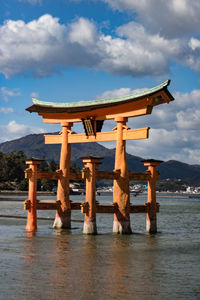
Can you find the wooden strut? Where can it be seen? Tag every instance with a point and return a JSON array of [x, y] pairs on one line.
[[90, 207], [99, 175]]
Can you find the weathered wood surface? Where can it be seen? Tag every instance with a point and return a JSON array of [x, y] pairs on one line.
[[139, 176], [126, 110], [48, 175], [84, 207], [108, 175], [134, 134]]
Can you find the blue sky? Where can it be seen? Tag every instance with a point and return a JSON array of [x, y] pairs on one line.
[[71, 50]]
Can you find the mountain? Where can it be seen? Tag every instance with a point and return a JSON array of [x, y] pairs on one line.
[[33, 146]]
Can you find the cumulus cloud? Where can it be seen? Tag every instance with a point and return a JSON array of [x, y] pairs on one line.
[[167, 145], [172, 18], [14, 130], [118, 93], [7, 94], [44, 46]]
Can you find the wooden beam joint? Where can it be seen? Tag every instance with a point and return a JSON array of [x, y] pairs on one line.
[[28, 173], [84, 207], [150, 207], [85, 173]]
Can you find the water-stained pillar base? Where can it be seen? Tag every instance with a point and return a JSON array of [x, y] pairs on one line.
[[63, 221], [151, 226], [122, 227], [89, 226]]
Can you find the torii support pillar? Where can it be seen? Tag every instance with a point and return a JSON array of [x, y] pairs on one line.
[[121, 194], [63, 214], [31, 224], [90, 163], [151, 221]]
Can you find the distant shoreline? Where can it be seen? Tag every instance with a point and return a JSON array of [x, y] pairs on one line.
[[25, 193]]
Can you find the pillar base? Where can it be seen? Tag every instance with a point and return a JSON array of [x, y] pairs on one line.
[[89, 226], [31, 227], [62, 222], [31, 224], [122, 227], [151, 226]]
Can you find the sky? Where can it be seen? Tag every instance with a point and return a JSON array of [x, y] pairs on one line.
[[72, 50]]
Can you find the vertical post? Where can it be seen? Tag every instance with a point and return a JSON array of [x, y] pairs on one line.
[[90, 164], [31, 224], [63, 214], [151, 220], [121, 194]]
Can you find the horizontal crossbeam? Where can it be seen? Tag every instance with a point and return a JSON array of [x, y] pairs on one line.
[[140, 176], [48, 175], [112, 175], [107, 175], [100, 209], [126, 111], [134, 134]]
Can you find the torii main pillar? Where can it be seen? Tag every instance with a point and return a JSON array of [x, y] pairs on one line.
[[121, 194], [63, 215]]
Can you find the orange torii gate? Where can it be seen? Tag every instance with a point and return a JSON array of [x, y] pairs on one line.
[[92, 114]]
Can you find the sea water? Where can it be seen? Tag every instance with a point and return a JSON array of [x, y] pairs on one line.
[[65, 264]]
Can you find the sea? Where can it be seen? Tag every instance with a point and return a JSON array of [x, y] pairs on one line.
[[65, 264]]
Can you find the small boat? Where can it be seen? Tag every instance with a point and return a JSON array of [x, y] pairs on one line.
[[76, 191]]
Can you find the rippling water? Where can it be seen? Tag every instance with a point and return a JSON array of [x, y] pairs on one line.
[[56, 264]]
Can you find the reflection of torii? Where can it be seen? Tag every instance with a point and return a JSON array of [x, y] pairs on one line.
[[92, 114]]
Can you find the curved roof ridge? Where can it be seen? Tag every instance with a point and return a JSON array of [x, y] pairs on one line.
[[102, 100]]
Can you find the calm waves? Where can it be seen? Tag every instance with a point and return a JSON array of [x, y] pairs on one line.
[[57, 264]]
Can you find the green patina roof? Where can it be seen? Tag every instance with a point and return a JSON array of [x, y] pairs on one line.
[[102, 101]]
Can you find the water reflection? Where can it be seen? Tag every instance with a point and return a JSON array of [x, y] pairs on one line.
[[90, 266], [30, 233]]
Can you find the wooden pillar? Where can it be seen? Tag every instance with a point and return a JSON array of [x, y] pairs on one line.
[[151, 222], [91, 163], [31, 224], [63, 215], [121, 194]]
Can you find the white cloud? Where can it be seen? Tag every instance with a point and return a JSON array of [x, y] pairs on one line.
[[83, 32], [118, 93], [194, 43], [6, 110], [6, 94], [166, 145], [172, 18], [44, 46], [15, 130]]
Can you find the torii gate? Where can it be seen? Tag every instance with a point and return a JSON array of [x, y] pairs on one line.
[[92, 114]]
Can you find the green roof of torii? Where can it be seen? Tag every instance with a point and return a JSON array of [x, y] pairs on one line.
[[84, 105]]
